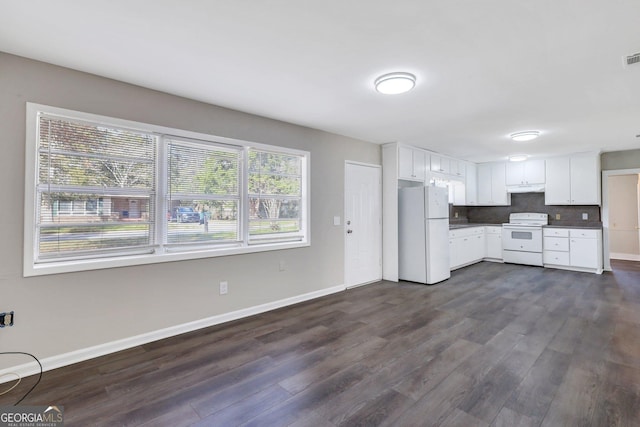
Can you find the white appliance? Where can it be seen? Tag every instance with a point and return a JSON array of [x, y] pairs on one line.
[[522, 238], [423, 234]]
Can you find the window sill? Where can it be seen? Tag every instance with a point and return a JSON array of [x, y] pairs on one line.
[[132, 260]]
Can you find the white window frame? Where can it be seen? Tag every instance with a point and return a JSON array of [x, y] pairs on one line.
[[162, 253]]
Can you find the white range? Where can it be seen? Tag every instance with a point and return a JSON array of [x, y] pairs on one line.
[[522, 238]]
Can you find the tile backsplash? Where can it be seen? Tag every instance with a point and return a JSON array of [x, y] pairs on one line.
[[527, 202]]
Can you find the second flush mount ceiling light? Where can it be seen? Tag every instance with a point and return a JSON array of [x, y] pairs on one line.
[[395, 83]]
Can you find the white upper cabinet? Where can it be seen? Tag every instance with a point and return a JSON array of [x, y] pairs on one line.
[[440, 164], [525, 173], [457, 168], [492, 188], [557, 189], [585, 179], [471, 180], [573, 180], [412, 163]]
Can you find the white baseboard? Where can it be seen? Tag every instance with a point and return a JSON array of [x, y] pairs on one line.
[[81, 355], [625, 257]]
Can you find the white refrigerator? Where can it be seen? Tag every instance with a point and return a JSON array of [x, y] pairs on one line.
[[423, 238]]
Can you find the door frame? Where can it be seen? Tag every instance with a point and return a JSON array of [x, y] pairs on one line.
[[605, 210], [344, 222]]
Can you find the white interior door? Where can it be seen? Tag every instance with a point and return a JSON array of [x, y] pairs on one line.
[[363, 224]]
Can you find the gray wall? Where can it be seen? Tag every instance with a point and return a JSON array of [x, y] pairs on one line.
[[629, 159], [61, 313]]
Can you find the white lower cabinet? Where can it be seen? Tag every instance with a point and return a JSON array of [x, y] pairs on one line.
[[585, 248], [466, 246], [493, 243], [573, 248], [577, 249]]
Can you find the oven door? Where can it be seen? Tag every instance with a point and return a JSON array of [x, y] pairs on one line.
[[521, 238]]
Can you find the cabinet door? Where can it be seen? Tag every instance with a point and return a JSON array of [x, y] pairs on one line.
[[471, 186], [465, 250], [457, 193], [557, 181], [419, 164], [534, 172], [436, 165], [456, 168], [585, 179], [412, 164], [583, 252], [494, 246], [445, 165], [515, 173], [499, 194], [484, 184], [454, 252], [405, 163], [478, 246]]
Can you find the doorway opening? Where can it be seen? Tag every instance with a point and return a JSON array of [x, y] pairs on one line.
[[621, 218]]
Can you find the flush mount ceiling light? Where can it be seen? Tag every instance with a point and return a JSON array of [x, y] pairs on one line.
[[524, 136], [395, 83], [518, 158]]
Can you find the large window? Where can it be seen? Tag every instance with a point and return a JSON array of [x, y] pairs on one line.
[[105, 192]]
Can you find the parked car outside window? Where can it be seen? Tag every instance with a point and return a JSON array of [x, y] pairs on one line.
[[185, 214]]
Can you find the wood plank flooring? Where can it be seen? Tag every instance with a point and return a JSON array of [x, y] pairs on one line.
[[496, 345]]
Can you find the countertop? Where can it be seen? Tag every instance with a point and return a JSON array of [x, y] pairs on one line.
[[471, 224], [479, 224], [590, 226]]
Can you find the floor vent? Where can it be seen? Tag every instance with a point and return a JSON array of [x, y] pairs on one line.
[[633, 59]]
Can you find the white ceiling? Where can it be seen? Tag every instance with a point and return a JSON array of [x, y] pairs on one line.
[[484, 68]]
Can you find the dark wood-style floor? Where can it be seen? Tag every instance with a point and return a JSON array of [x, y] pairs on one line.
[[497, 344]]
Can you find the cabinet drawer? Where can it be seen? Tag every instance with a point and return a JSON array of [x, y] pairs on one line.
[[493, 230], [555, 232], [466, 232], [587, 234], [556, 244], [555, 257]]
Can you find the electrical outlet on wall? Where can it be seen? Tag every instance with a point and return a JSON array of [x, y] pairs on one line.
[[224, 287], [585, 216], [6, 319], [557, 216]]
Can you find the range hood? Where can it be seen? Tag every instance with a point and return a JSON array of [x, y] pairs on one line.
[[533, 188]]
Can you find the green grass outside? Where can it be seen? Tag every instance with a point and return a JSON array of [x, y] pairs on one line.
[[83, 243]]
